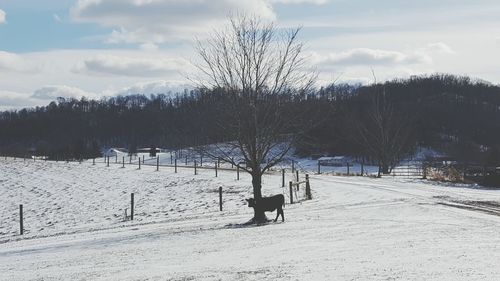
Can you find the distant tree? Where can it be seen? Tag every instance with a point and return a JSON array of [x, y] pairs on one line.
[[260, 70], [384, 131]]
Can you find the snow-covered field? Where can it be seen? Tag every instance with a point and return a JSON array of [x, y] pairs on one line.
[[355, 228]]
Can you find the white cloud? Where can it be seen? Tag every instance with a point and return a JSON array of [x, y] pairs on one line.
[[370, 57], [46, 94], [156, 87], [52, 92], [16, 63], [439, 47], [13, 100], [129, 66], [149, 47], [158, 21], [315, 2], [2, 16]]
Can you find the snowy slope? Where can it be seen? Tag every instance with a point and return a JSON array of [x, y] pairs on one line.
[[354, 228]]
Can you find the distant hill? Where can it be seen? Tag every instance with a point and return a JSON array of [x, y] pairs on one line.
[[453, 114]]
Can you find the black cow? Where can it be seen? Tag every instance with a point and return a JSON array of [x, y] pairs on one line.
[[269, 204]]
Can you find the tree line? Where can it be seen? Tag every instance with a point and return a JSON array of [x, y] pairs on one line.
[[456, 115]]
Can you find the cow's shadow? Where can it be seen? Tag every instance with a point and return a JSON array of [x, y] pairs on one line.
[[251, 223]]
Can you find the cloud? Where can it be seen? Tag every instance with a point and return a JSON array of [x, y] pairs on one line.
[[370, 57], [52, 92], [129, 66], [46, 94], [11, 100], [2, 17], [315, 2], [158, 21], [439, 47], [156, 87], [14, 62]]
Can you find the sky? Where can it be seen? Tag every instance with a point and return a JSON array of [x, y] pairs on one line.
[[96, 48]]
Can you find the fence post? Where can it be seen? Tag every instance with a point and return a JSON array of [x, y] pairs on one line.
[[218, 162], [291, 192], [132, 206], [293, 166], [308, 188], [130, 159], [116, 158], [347, 168], [220, 198], [139, 163], [142, 159], [93, 161], [362, 168], [282, 177], [171, 159], [108, 161], [238, 172], [21, 227], [186, 160], [157, 163], [123, 161], [195, 172], [215, 166], [175, 161], [319, 168], [201, 160], [297, 175]]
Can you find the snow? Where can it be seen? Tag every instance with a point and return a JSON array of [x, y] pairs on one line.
[[355, 228]]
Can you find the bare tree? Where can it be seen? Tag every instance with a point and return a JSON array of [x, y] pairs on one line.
[[384, 131], [261, 69]]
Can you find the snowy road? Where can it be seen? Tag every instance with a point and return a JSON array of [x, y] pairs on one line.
[[353, 229]]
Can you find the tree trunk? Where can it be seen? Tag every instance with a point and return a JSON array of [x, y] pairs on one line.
[[259, 215]]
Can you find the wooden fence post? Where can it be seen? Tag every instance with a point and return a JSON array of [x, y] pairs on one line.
[[186, 160], [319, 168], [215, 166], [238, 172], [195, 172], [291, 192], [157, 163], [21, 227], [297, 175], [142, 159], [93, 161], [362, 168], [108, 161], [130, 159], [175, 161], [220, 198], [347, 168], [116, 158], [123, 161], [171, 159], [139, 163], [282, 177], [132, 206], [308, 188], [201, 160]]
